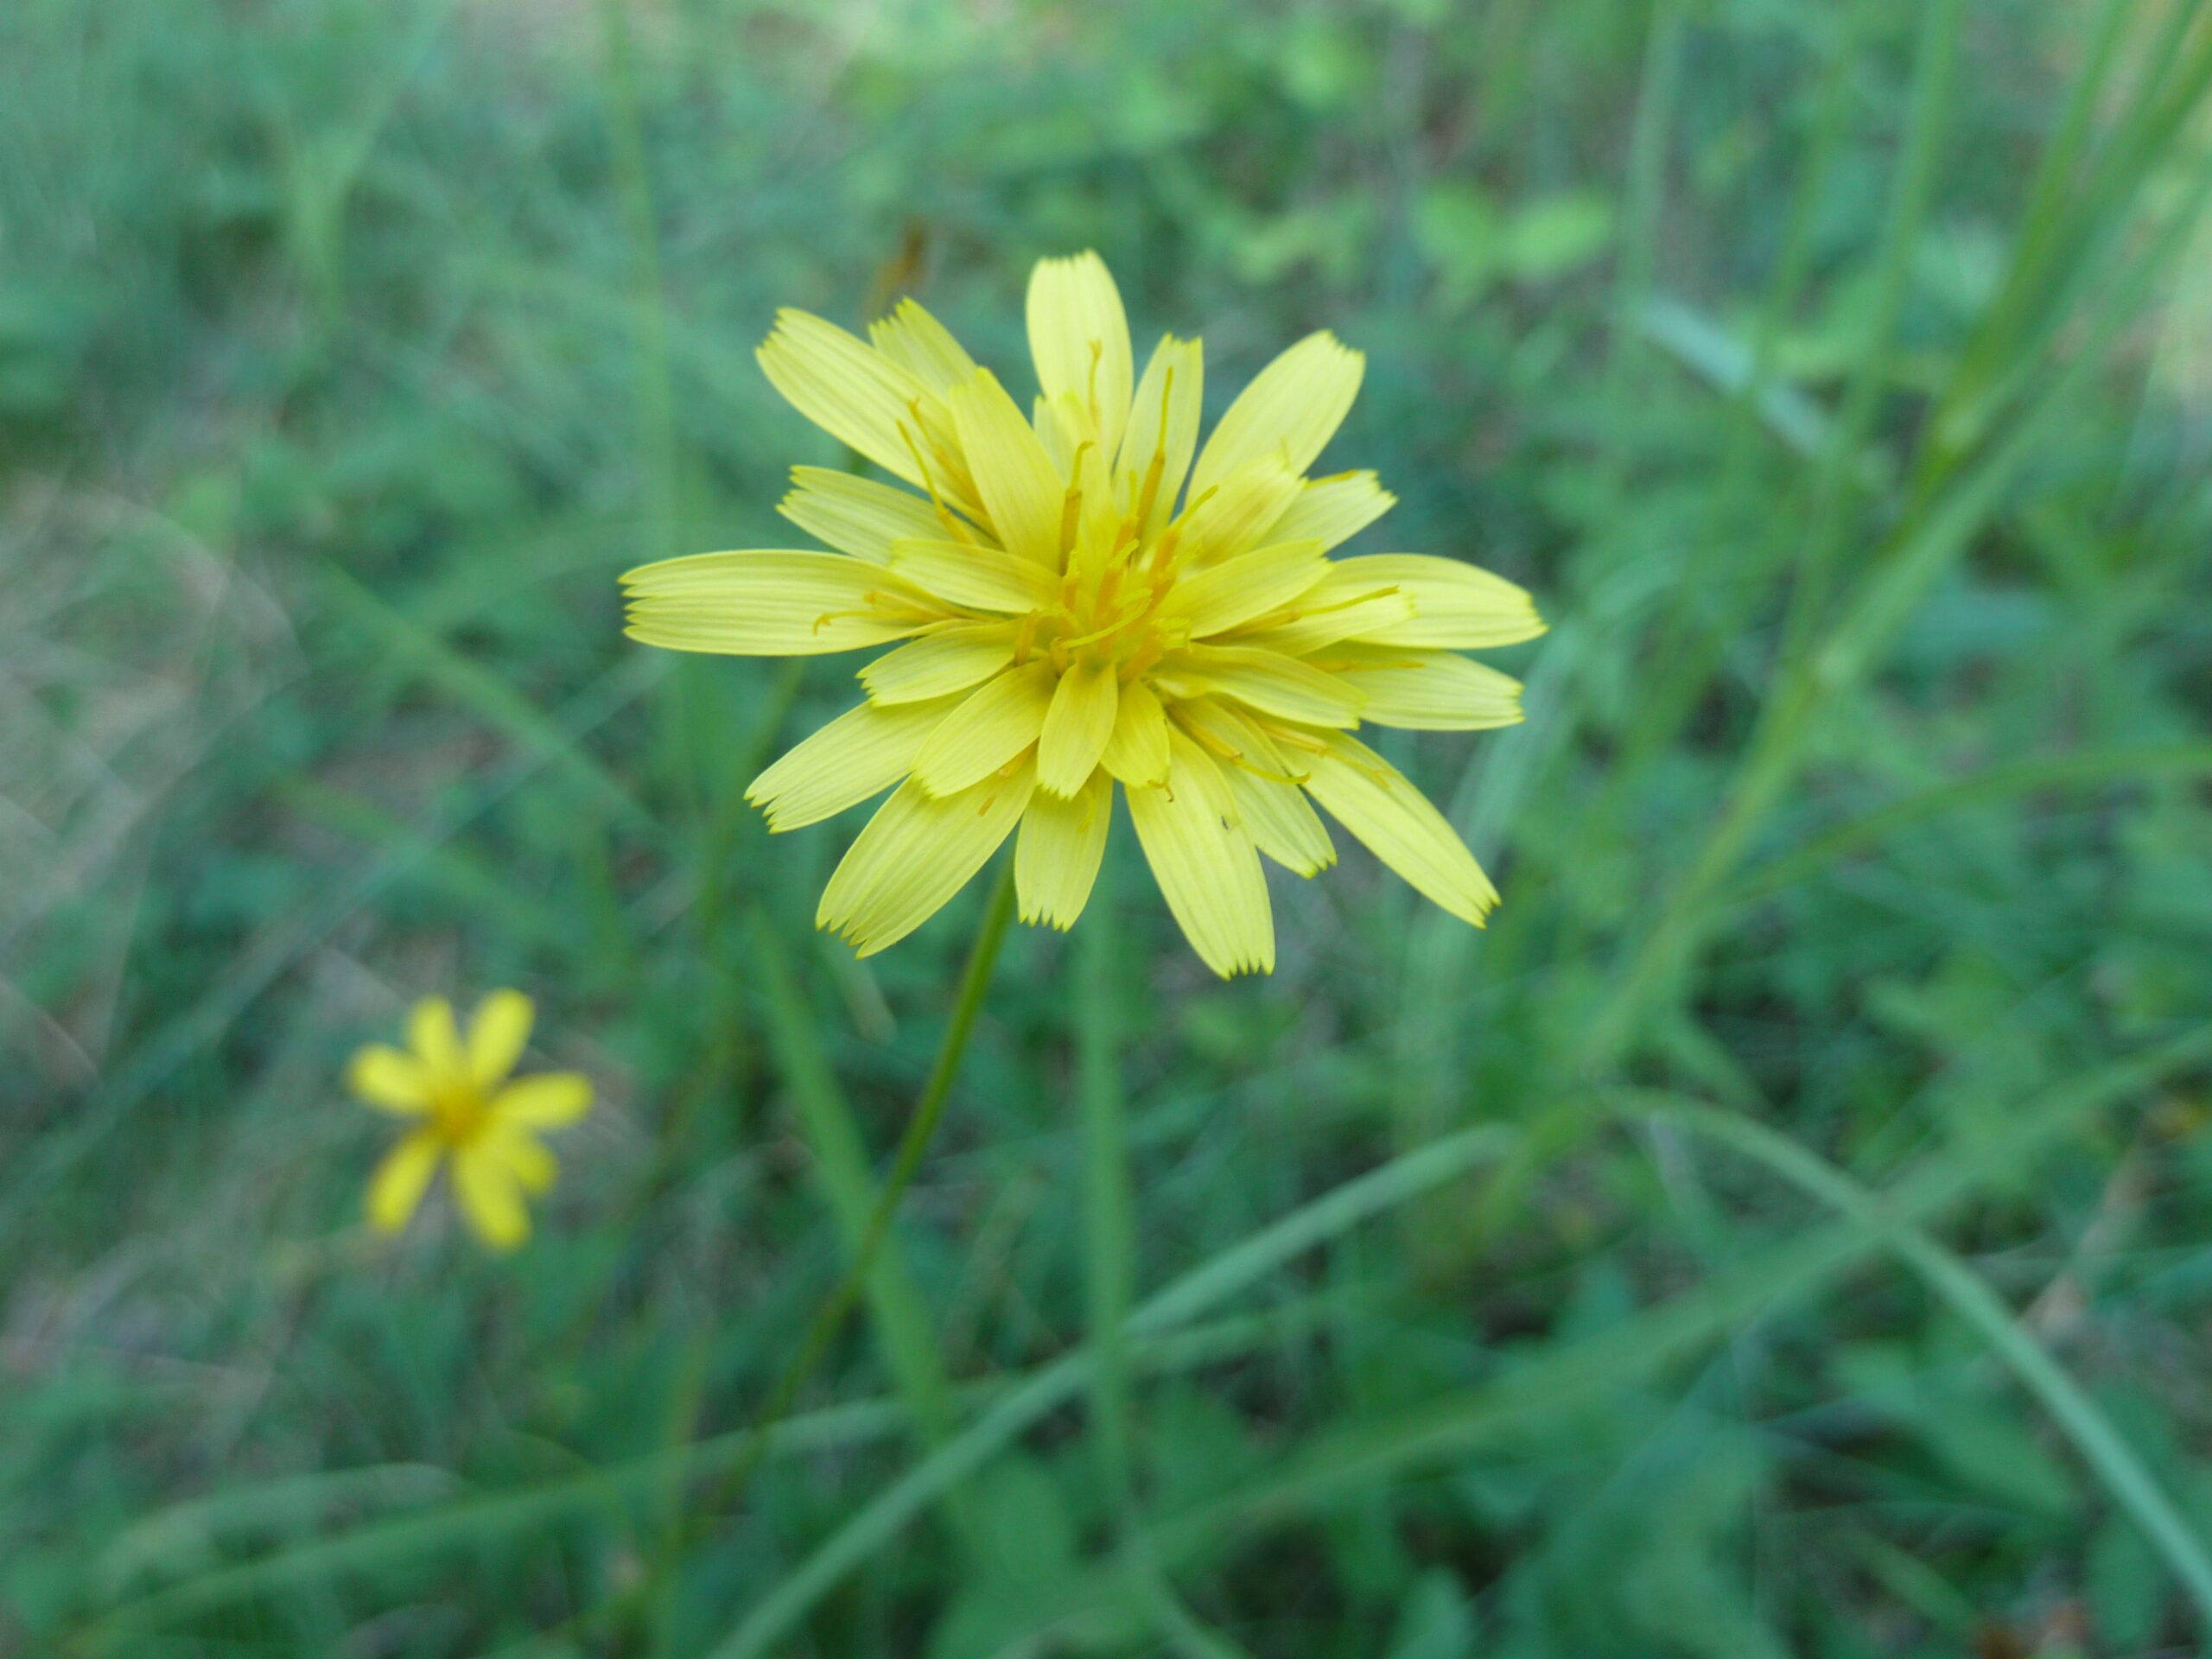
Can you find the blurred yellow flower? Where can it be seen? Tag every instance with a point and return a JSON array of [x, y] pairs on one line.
[[1087, 597], [466, 1111]]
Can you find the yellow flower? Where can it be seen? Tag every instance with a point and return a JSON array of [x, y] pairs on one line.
[[466, 1111], [1085, 603]]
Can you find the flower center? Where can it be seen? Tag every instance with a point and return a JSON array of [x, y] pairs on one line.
[[1112, 607], [458, 1109]]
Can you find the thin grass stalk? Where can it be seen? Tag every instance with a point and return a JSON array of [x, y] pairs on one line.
[[1658, 86], [1243, 1264], [466, 1525], [2055, 254], [1685, 658], [1353, 1460], [1912, 555], [1936, 58], [2131, 1483]]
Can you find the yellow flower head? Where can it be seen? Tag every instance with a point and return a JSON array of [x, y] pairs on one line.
[[1085, 603], [466, 1109]]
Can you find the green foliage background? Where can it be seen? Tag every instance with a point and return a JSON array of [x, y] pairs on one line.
[[1782, 1231]]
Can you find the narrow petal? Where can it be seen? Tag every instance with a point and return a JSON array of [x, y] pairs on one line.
[[1374, 800], [490, 1194], [532, 1166], [1205, 863], [1061, 426], [1281, 822], [1057, 856], [861, 752], [1226, 595], [1242, 512], [857, 515], [986, 731], [401, 1179], [949, 658], [772, 603], [1077, 728], [1136, 752], [1334, 510], [498, 1033], [1425, 690], [1268, 680], [435, 1039], [1289, 412], [1163, 433], [1456, 605], [1321, 617], [1013, 475], [845, 387], [389, 1080], [546, 1100], [922, 346], [1263, 784], [916, 853], [981, 577], [1079, 336]]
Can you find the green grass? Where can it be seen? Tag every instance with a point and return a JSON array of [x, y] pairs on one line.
[[1780, 1232]]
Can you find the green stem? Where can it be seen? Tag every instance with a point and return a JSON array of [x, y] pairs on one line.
[[1108, 1224], [1110, 1261], [829, 1318], [833, 1137]]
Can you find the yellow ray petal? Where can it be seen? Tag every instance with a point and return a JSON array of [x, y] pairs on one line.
[[1056, 858], [490, 1194], [949, 658], [981, 577], [1334, 510], [1163, 431], [1225, 595], [498, 1033], [857, 515], [772, 603], [1456, 605], [1060, 430], [1321, 616], [1267, 680], [1281, 822], [1013, 473], [1261, 784], [1205, 863], [1077, 728], [1425, 690], [845, 387], [1242, 513], [922, 346], [1374, 800], [435, 1039], [1136, 752], [532, 1166], [1290, 411], [861, 752], [916, 853], [1079, 336], [401, 1179], [985, 732], [546, 1100], [389, 1080]]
